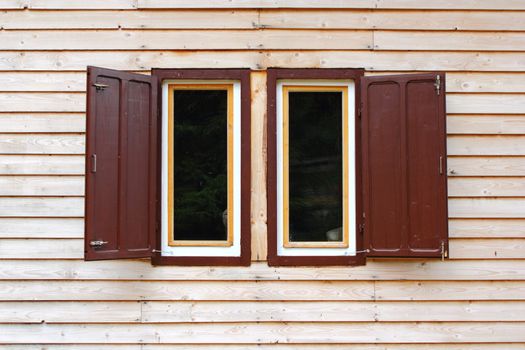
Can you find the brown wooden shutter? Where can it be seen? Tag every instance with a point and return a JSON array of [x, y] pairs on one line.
[[121, 164], [404, 165]]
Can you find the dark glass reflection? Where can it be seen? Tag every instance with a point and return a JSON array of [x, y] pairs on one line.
[[315, 166], [200, 164]]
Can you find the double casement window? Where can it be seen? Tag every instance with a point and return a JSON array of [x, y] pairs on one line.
[[355, 166]]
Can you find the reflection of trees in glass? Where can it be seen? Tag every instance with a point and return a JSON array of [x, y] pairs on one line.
[[315, 174], [200, 164]]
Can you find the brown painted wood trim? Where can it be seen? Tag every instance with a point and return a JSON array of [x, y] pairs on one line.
[[242, 75], [284, 73]]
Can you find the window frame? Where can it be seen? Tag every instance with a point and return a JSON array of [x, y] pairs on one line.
[[311, 74], [206, 75]]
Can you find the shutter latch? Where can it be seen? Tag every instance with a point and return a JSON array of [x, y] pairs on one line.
[[100, 87], [98, 243], [437, 84], [444, 253]]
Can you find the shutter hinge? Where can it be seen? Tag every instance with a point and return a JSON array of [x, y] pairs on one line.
[[93, 163], [444, 252], [100, 87], [361, 228], [437, 84], [440, 165]]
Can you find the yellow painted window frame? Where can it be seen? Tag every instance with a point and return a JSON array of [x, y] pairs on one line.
[[171, 122], [287, 243]]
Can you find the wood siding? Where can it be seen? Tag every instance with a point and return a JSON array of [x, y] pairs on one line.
[[49, 295]]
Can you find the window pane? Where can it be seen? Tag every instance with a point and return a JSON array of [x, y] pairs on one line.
[[315, 166], [200, 164]]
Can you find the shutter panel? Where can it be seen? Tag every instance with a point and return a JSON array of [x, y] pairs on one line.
[[121, 164], [404, 165]]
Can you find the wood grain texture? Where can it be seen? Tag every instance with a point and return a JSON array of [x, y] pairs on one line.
[[486, 103], [41, 185], [486, 145], [42, 122], [375, 269], [185, 40], [486, 208], [42, 102], [486, 166], [507, 248], [78, 19], [41, 248], [371, 60], [42, 144], [323, 311], [486, 187], [267, 333], [258, 132], [41, 165], [41, 228], [380, 19], [448, 41], [486, 124], [486, 228], [41, 207], [203, 290], [42, 81]]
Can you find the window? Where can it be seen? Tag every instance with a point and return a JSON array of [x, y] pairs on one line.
[[170, 175], [355, 166]]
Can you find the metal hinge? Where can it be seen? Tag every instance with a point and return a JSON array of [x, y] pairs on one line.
[[437, 84], [440, 165], [93, 163], [100, 87], [361, 228], [444, 253], [97, 243]]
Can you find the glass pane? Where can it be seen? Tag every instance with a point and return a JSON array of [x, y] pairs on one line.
[[315, 166], [200, 164]]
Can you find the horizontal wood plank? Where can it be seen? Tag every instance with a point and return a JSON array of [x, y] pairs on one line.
[[486, 187], [393, 4], [375, 269], [185, 40], [41, 248], [41, 165], [485, 82], [41, 207], [42, 144], [42, 81], [266, 333], [41, 228], [486, 228], [486, 145], [486, 103], [486, 208], [42, 122], [486, 166], [322, 311], [371, 60], [448, 41], [483, 124], [487, 248], [67, 312], [41, 185], [380, 19], [268, 311], [42, 102], [185, 19], [204, 290]]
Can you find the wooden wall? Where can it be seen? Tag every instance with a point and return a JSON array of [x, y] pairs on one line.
[[49, 295]]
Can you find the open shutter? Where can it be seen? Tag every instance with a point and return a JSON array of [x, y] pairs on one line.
[[404, 165], [121, 164]]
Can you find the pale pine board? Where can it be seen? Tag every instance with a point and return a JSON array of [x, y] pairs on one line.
[[42, 122], [486, 166], [486, 228], [41, 228], [486, 124], [41, 207], [486, 187], [375, 269], [42, 144], [380, 61], [41, 185]]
